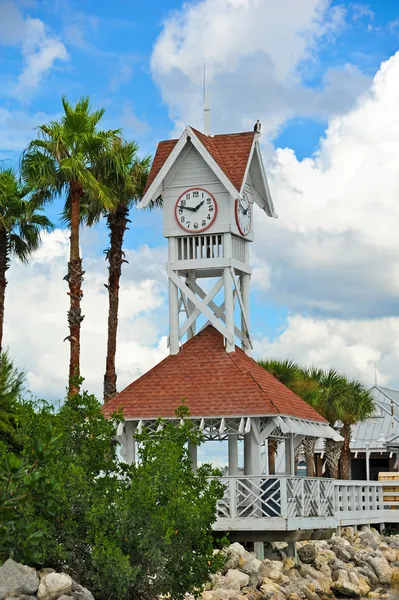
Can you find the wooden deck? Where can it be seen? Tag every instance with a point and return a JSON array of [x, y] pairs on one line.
[[285, 503]]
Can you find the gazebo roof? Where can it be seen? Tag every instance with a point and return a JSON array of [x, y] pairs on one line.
[[214, 383]]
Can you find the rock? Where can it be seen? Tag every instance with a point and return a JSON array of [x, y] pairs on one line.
[[344, 553], [45, 571], [271, 569], [3, 593], [53, 586], [310, 595], [18, 579], [378, 593], [363, 587], [236, 580], [293, 596], [252, 594], [381, 568], [368, 573], [337, 565], [80, 593], [342, 586], [394, 579], [289, 563], [273, 551], [307, 554], [251, 568], [234, 553], [390, 554]]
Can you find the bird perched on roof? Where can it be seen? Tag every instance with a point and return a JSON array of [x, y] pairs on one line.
[[257, 126]]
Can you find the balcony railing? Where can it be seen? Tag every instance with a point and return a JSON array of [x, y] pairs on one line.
[[291, 502]]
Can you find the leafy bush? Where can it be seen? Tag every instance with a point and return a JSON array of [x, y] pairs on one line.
[[123, 531]]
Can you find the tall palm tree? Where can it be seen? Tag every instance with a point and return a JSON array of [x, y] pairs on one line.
[[297, 379], [60, 163], [126, 174], [357, 405], [21, 222]]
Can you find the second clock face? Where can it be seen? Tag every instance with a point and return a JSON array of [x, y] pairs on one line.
[[196, 210], [243, 214]]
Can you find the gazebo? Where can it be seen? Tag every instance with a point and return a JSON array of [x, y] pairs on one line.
[[231, 397]]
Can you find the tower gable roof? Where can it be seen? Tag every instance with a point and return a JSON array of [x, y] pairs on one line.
[[231, 156], [214, 383]]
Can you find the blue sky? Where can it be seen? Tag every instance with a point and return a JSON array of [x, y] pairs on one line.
[[323, 286]]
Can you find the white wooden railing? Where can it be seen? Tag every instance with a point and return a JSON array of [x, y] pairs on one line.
[[305, 501]]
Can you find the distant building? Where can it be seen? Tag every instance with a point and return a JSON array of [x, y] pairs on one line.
[[375, 443]]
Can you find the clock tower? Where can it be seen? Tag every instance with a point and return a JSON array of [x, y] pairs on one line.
[[209, 186]]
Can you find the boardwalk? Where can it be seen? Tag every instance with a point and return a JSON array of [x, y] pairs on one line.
[[285, 503]]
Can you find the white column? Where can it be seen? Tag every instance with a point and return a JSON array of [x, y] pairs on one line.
[[233, 454], [130, 452], [190, 305], [228, 292], [368, 463], [266, 467], [251, 455], [173, 305], [289, 455], [193, 452], [245, 280]]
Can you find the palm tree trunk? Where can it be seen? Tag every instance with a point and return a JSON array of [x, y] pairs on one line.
[[272, 451], [3, 280], [333, 452], [75, 279], [309, 444], [345, 459], [117, 223]]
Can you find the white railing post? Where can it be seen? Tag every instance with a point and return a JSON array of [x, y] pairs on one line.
[[283, 496], [233, 497]]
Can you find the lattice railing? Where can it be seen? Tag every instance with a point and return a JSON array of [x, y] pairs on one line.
[[310, 497]]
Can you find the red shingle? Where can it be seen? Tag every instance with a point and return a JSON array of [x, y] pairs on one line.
[[231, 152], [214, 383]]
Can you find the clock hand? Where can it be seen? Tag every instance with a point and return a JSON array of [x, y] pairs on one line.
[[199, 205], [187, 208], [244, 210]]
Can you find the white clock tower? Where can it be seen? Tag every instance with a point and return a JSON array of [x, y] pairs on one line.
[[209, 185]]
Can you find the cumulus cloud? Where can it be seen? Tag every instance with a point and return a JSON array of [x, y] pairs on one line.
[[37, 303], [40, 49], [253, 50], [360, 349], [335, 249]]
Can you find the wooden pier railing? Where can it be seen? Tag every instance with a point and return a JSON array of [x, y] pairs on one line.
[[278, 502]]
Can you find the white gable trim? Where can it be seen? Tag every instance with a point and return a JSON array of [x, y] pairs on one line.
[[251, 153], [262, 197], [155, 188]]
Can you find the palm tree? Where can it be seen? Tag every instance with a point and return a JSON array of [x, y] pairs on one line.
[[60, 163], [21, 222], [297, 379], [357, 405], [126, 174]]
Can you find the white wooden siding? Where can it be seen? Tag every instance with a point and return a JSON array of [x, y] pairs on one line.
[[191, 170]]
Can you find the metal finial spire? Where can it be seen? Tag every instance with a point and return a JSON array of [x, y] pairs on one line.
[[207, 110]]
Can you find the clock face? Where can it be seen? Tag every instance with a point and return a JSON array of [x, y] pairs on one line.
[[196, 210], [244, 214]]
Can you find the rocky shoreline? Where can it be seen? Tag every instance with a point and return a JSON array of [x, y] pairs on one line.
[[357, 564]]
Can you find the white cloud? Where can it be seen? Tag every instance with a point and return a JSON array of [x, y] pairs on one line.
[[335, 248], [37, 304], [40, 49], [352, 347], [253, 50]]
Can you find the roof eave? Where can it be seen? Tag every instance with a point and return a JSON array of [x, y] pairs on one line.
[[263, 196]]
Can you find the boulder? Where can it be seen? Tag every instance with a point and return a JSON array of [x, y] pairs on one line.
[[344, 553], [80, 593], [45, 571], [307, 554], [390, 554], [3, 593], [363, 587], [289, 563], [236, 580], [53, 586], [16, 579], [293, 596], [368, 573], [378, 593], [310, 595], [252, 594], [273, 551], [394, 579], [235, 552], [381, 568], [342, 586], [272, 569]]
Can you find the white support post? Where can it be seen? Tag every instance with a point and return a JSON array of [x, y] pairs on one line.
[[233, 454], [193, 452], [173, 305], [228, 295], [289, 455], [245, 286], [190, 305], [130, 451], [266, 467], [367, 463]]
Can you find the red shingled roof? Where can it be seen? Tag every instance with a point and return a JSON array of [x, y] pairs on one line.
[[213, 382], [231, 151]]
